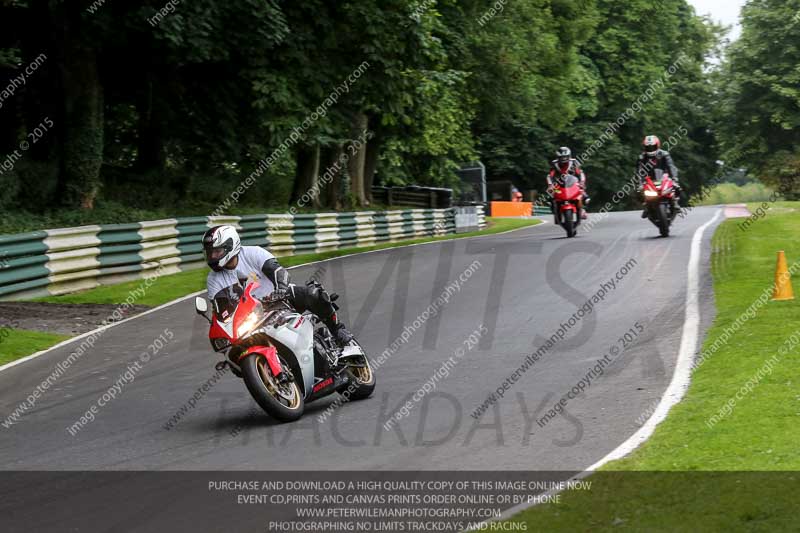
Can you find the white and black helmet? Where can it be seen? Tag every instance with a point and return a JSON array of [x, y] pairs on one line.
[[564, 154], [220, 245]]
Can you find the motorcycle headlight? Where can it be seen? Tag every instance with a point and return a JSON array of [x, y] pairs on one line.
[[650, 194], [250, 323]]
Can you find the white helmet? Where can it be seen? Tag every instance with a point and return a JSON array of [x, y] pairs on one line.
[[220, 245]]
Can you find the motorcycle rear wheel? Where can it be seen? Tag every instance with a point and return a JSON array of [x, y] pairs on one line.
[[281, 401], [362, 380]]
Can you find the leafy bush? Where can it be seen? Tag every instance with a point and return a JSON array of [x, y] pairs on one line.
[[730, 193], [9, 186]]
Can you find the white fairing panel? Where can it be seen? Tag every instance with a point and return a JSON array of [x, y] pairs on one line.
[[298, 336], [351, 350]]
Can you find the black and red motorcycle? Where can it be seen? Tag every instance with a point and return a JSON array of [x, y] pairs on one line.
[[660, 201]]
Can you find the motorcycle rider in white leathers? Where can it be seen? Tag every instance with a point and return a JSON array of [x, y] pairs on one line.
[[233, 265]]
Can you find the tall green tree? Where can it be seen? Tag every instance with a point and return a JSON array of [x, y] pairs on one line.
[[176, 107], [759, 112]]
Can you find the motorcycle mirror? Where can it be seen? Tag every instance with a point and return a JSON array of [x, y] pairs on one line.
[[201, 305]]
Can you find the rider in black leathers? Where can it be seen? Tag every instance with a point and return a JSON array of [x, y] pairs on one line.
[[654, 158]]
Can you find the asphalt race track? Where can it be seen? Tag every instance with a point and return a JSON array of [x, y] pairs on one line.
[[520, 288]]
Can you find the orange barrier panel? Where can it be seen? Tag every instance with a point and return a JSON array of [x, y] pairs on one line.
[[512, 209]]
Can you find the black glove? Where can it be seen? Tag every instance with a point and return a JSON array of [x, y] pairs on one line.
[[278, 295]]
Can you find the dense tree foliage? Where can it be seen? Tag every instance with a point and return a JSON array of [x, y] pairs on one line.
[[760, 96], [176, 104]]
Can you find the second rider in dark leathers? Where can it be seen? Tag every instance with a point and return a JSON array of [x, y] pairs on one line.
[[654, 158]]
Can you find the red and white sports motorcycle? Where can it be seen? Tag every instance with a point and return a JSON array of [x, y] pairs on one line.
[[285, 358]]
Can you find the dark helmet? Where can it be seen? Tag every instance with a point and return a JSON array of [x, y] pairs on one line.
[[652, 144], [220, 245]]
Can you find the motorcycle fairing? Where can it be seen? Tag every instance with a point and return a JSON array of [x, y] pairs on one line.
[[270, 353], [567, 193], [298, 336]]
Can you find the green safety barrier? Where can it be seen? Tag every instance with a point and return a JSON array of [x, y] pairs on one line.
[[60, 261]]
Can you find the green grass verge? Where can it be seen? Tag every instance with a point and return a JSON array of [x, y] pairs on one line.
[[168, 288], [16, 343], [740, 474]]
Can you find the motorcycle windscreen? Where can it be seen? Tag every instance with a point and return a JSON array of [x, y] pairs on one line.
[[570, 181], [658, 176], [226, 301]]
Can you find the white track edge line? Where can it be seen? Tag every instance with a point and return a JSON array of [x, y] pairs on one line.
[[677, 387], [682, 375]]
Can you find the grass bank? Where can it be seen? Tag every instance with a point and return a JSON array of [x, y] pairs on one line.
[[727, 457], [731, 193], [16, 343]]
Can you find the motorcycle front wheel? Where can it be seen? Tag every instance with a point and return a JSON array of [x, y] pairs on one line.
[[569, 223], [281, 400], [663, 220]]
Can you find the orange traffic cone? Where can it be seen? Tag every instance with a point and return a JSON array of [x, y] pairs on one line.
[[783, 280]]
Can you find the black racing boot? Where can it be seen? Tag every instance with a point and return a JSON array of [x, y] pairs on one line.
[[341, 334]]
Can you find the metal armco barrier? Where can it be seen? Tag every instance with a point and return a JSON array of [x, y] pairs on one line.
[[65, 260]]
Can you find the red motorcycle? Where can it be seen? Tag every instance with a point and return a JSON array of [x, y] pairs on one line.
[[660, 201], [285, 358], [568, 203]]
